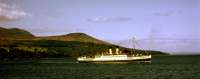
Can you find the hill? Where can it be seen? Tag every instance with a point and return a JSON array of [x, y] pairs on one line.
[[24, 44], [81, 37], [15, 33]]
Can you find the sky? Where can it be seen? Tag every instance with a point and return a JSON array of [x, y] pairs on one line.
[[111, 20]]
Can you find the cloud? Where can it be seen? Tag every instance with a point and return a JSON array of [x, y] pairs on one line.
[[10, 12], [109, 19], [167, 13]]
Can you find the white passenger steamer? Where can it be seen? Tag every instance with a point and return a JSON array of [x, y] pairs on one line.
[[115, 57]]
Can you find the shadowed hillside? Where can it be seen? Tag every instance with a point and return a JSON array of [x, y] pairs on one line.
[[15, 33]]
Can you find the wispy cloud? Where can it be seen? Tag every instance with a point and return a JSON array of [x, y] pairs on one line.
[[109, 19], [167, 13], [10, 12]]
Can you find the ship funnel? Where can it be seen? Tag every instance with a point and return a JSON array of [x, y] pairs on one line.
[[110, 51], [117, 51]]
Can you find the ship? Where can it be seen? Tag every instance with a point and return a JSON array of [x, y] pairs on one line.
[[116, 57]]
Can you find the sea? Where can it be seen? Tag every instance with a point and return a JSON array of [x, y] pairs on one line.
[[160, 67]]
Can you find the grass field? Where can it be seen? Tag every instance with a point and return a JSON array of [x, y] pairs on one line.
[[161, 67]]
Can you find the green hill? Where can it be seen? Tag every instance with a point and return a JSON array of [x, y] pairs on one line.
[[81, 37], [15, 33], [20, 43]]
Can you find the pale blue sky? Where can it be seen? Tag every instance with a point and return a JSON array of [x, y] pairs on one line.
[[107, 19], [101, 18]]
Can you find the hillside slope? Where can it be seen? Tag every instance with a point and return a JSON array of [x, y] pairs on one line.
[[81, 37], [70, 45], [15, 33]]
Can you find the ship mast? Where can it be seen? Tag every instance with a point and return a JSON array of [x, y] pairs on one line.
[[133, 42]]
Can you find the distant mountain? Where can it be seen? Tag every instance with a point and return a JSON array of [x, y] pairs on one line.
[[15, 33], [81, 37]]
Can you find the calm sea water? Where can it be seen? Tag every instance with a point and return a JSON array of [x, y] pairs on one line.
[[161, 67]]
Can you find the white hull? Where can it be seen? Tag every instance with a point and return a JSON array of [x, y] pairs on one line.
[[114, 58]]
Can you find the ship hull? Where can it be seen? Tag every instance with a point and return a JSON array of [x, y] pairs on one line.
[[115, 59]]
